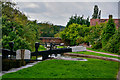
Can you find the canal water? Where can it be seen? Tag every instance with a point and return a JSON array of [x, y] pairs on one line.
[[62, 57]]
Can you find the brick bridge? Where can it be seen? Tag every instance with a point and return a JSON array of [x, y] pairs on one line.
[[50, 40]]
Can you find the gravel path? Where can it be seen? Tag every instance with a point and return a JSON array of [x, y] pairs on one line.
[[103, 53]]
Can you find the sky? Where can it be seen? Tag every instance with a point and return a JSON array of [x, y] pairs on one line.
[[58, 12]]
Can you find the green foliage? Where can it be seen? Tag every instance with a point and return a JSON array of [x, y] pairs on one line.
[[16, 27], [48, 29], [80, 40], [19, 43], [94, 36], [113, 45], [78, 20], [73, 33], [108, 31], [97, 45]]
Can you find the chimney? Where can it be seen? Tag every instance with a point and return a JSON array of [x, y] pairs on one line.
[[110, 16]]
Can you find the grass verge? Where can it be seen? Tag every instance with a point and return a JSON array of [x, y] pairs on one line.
[[61, 46], [99, 50], [96, 54], [93, 68]]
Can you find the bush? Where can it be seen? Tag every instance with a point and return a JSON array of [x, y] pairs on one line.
[[19, 43], [94, 36], [108, 31], [73, 33], [80, 40], [97, 45], [113, 44]]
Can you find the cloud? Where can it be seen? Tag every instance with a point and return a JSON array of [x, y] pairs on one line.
[[65, 0], [32, 5], [59, 12]]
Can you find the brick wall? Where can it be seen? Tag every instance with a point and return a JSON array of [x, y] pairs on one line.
[[94, 21]]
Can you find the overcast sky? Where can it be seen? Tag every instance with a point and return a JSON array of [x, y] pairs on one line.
[[59, 12]]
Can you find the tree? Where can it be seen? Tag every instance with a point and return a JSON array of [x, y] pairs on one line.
[[74, 34], [19, 43], [48, 30], [16, 27], [113, 44], [78, 20], [94, 36], [108, 31], [97, 13]]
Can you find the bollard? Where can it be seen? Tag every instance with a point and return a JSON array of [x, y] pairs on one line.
[[36, 49], [51, 45], [45, 44]]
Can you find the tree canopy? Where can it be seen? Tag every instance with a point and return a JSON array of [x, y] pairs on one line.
[[108, 31], [78, 20], [74, 33], [16, 27], [96, 13]]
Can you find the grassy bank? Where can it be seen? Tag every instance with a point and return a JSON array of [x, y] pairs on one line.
[[96, 54], [99, 50], [61, 46], [93, 68]]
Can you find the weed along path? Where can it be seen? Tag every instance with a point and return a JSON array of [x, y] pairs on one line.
[[103, 53]]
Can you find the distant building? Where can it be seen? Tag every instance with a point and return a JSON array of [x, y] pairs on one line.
[[94, 21]]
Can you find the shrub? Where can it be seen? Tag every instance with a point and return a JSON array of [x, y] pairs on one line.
[[19, 43], [97, 45], [113, 44], [80, 40], [73, 33], [108, 31]]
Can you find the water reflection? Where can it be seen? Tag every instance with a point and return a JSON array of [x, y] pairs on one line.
[[59, 56]]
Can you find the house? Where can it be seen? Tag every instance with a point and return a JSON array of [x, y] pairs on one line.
[[94, 21]]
